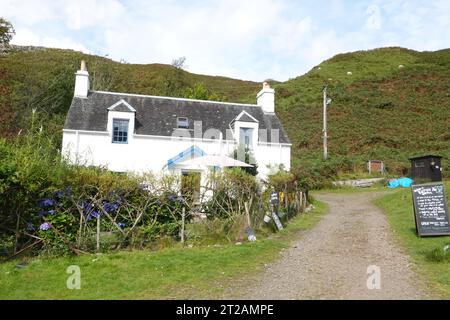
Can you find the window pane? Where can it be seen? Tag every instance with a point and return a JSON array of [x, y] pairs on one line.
[[120, 130], [245, 136], [182, 122]]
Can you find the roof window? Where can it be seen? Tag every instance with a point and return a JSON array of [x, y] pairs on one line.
[[182, 122]]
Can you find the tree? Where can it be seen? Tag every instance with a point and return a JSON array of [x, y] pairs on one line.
[[6, 32], [199, 92], [179, 63], [174, 78]]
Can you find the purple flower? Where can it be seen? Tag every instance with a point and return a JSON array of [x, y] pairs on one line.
[[94, 214], [172, 198], [65, 192], [45, 226], [52, 212], [176, 198], [110, 207], [46, 203], [121, 225], [87, 208]]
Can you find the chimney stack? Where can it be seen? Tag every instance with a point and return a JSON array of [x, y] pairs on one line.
[[266, 98], [82, 81]]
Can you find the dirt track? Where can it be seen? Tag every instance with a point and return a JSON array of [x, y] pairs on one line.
[[331, 260]]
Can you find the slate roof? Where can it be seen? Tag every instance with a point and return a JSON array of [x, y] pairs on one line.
[[246, 118], [158, 115]]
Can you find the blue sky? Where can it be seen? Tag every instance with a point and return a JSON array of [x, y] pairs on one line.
[[246, 39]]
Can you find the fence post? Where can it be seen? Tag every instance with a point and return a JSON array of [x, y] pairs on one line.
[[17, 232], [247, 213], [286, 200], [183, 214], [301, 202], [306, 198], [98, 232]]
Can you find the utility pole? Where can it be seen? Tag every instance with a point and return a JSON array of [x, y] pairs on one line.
[[326, 103], [325, 138]]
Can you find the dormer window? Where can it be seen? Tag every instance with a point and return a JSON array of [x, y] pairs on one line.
[[120, 131], [182, 123], [246, 137]]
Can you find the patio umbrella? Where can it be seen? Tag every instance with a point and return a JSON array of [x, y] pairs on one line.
[[213, 161]]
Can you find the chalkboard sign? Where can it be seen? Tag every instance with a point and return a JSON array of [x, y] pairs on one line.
[[430, 209]]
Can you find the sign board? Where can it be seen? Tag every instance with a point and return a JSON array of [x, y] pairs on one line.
[[430, 209], [274, 200], [277, 220]]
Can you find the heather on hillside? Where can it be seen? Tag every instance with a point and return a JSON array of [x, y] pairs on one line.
[[388, 104]]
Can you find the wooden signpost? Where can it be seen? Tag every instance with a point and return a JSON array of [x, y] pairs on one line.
[[430, 209], [274, 201]]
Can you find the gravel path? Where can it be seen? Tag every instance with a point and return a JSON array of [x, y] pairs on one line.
[[331, 260]]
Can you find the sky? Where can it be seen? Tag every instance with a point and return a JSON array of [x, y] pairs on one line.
[[244, 39]]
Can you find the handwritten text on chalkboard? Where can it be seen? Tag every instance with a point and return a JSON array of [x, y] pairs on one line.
[[431, 211]]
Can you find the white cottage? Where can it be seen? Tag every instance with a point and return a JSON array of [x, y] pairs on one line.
[[140, 133]]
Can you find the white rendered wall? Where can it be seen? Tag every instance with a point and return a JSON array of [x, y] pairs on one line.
[[150, 153]]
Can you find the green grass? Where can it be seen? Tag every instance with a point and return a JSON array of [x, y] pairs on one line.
[[399, 211], [172, 273]]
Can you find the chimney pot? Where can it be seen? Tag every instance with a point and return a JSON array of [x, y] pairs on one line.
[[266, 98], [82, 81]]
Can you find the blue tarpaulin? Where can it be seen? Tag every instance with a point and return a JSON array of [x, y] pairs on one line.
[[400, 182]]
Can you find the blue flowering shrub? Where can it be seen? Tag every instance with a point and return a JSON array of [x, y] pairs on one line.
[[49, 206]]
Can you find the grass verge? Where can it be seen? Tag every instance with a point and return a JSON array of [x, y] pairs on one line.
[[428, 254], [172, 273]]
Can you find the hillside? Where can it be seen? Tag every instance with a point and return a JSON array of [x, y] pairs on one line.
[[43, 79], [380, 111]]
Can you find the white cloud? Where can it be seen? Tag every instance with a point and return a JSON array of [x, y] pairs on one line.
[[93, 13], [251, 39], [28, 12]]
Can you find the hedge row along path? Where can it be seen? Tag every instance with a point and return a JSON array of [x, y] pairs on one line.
[[331, 260]]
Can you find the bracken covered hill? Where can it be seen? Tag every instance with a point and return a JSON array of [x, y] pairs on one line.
[[388, 104], [395, 104]]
